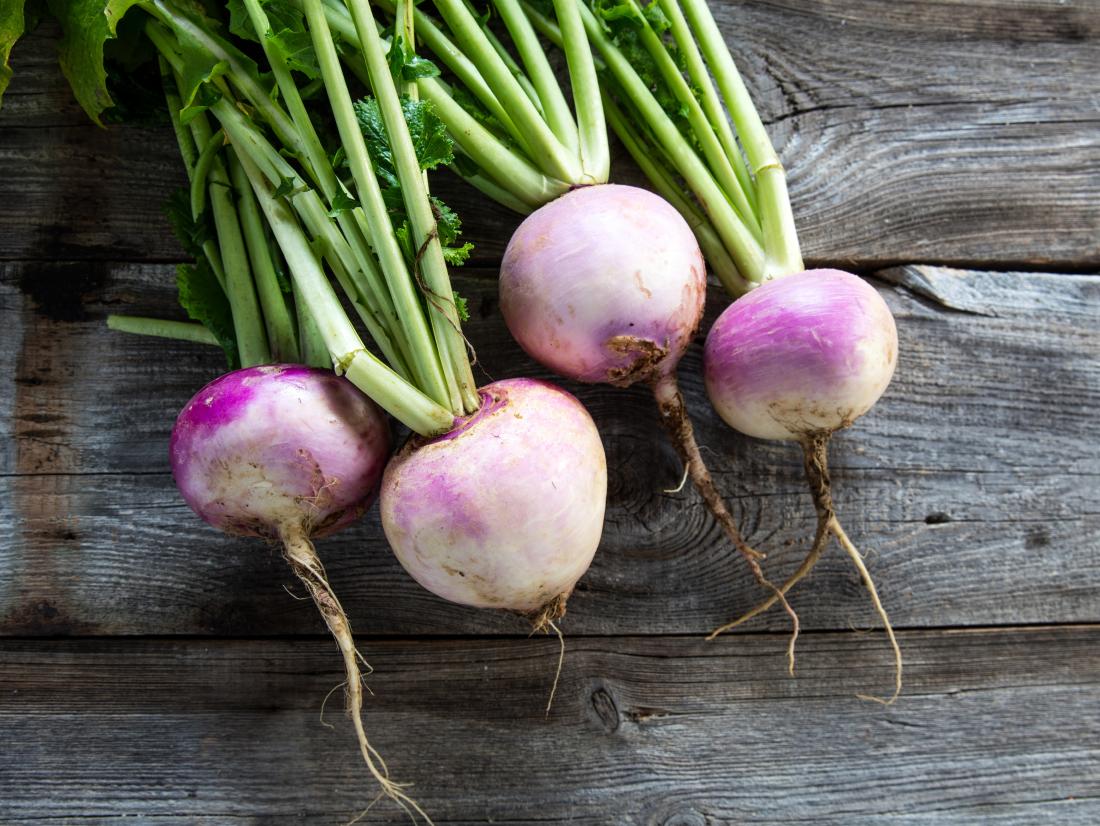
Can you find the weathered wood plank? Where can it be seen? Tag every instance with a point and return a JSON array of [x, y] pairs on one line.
[[998, 726], [951, 132], [975, 483]]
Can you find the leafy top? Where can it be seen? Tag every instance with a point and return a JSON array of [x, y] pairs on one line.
[[87, 25], [11, 29], [287, 34], [434, 147]]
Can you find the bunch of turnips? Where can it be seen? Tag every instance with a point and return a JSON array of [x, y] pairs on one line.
[[310, 130]]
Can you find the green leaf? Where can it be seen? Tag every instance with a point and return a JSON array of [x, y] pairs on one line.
[[447, 222], [433, 147], [205, 302], [378, 142], [456, 256], [11, 29], [429, 135], [289, 37], [284, 281], [461, 307], [474, 107], [624, 20], [406, 65], [403, 233], [192, 232], [240, 23], [286, 187], [433, 144], [342, 203], [465, 166], [86, 26], [286, 33], [199, 99]]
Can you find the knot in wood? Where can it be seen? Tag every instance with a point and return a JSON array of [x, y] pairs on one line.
[[607, 711]]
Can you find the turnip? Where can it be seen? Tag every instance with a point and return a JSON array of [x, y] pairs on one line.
[[505, 510], [804, 353], [797, 359], [287, 453]]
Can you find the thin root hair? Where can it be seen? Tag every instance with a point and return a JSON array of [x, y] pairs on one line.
[[561, 662], [677, 423], [815, 451]]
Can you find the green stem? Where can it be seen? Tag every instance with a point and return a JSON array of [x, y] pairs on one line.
[[545, 147], [710, 102], [429, 364], [554, 107], [364, 270], [245, 80], [280, 326], [200, 174], [288, 89], [188, 150], [429, 33], [433, 268], [346, 351], [507, 174], [746, 252], [510, 170], [513, 67], [403, 25], [505, 197], [247, 322], [780, 236], [595, 155], [718, 162], [314, 352], [162, 328], [334, 247]]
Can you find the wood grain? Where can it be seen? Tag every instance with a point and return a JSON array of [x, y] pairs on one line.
[[943, 132], [974, 484], [998, 726]]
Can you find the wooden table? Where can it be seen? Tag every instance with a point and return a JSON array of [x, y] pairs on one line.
[[153, 670]]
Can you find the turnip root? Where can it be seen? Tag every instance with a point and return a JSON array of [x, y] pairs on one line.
[[802, 353], [798, 359], [506, 510], [287, 453]]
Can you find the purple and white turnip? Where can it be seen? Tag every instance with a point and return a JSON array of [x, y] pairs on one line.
[[798, 359], [800, 354], [286, 453], [506, 509]]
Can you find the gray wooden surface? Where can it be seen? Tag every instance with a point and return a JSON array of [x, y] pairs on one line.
[[153, 670]]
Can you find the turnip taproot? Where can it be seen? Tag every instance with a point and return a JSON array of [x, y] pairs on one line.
[[797, 359], [287, 453]]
